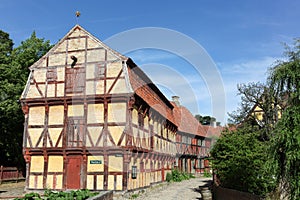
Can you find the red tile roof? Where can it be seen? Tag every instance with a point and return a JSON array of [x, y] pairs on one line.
[[186, 122], [145, 88], [213, 131]]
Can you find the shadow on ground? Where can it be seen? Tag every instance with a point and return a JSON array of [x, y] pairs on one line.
[[208, 184]]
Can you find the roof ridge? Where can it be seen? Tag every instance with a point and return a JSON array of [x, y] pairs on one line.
[[77, 26]]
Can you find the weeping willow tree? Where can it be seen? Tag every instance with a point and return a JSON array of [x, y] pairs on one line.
[[285, 79]]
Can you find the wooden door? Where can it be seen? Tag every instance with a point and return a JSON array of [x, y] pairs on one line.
[[73, 172]]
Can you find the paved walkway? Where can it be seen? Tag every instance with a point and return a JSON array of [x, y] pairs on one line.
[[185, 190]]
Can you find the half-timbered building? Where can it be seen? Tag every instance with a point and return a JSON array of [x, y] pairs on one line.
[[192, 143], [93, 119]]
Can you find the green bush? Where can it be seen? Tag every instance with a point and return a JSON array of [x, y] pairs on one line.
[[178, 176], [169, 177], [241, 160], [206, 174], [55, 195], [191, 176]]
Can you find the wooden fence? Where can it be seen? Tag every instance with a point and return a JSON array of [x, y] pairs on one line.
[[10, 174]]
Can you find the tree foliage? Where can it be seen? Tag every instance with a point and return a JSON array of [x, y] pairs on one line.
[[285, 77], [240, 160], [276, 155], [205, 120], [14, 65]]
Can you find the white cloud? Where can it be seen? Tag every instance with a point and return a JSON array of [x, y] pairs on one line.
[[237, 72]]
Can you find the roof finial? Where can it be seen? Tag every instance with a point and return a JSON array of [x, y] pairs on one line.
[[77, 15]]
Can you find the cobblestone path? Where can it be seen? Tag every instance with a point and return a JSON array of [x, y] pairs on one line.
[[185, 190]]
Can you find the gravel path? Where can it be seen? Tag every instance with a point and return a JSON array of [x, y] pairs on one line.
[[185, 190], [12, 190]]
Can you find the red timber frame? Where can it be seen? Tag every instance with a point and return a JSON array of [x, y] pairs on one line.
[[192, 152]]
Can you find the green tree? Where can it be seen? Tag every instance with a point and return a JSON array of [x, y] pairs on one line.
[[285, 77], [240, 160], [14, 73], [205, 120], [272, 144]]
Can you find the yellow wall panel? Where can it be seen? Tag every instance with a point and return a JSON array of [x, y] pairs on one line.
[[76, 44], [113, 69], [49, 182], [95, 167], [96, 55], [94, 133], [36, 116], [90, 71], [54, 135], [57, 59], [59, 181], [33, 92], [111, 182], [99, 182], [90, 182], [35, 134], [31, 181], [92, 43], [90, 88], [60, 90], [75, 110], [76, 33], [134, 116], [60, 71], [117, 112], [100, 87], [111, 56], [51, 90], [119, 185], [61, 47], [40, 74], [95, 113], [115, 164], [37, 164], [119, 87], [39, 183], [116, 132], [56, 115], [55, 164]]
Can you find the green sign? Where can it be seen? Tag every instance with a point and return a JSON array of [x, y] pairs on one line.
[[95, 161]]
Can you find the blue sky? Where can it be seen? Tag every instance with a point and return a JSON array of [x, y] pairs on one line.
[[243, 38]]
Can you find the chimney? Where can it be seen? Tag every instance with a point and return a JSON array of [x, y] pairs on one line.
[[213, 124], [175, 99]]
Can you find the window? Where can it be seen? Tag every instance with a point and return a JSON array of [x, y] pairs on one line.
[[189, 140], [51, 74], [75, 132], [141, 119], [200, 142], [75, 78], [100, 71]]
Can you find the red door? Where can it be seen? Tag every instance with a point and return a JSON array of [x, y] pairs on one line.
[[73, 172]]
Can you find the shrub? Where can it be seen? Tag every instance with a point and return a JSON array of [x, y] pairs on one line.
[[178, 176], [55, 195], [206, 174], [169, 177]]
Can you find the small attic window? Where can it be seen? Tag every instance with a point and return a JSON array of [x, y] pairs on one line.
[[52, 74], [100, 71]]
